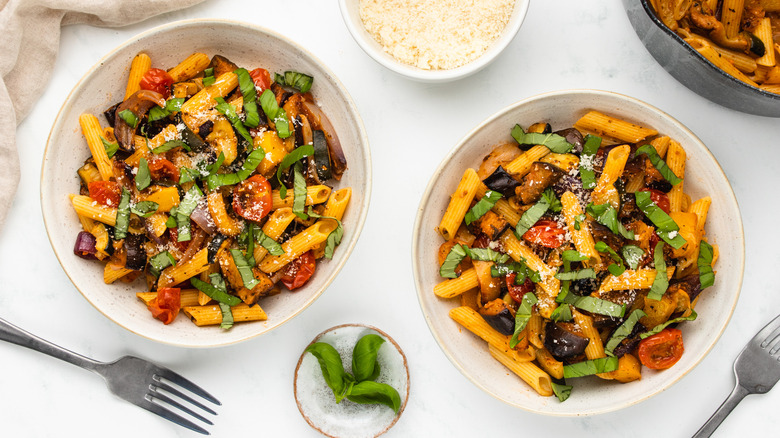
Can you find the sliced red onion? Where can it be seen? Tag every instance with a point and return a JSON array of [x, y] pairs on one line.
[[85, 246], [202, 217]]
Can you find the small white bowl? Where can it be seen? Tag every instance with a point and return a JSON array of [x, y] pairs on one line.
[[248, 46], [703, 177], [347, 419], [350, 11]]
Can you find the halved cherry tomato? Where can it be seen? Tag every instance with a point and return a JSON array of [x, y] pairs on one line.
[[545, 233], [659, 198], [261, 78], [661, 350], [160, 168], [299, 271], [252, 198], [166, 305], [517, 291], [157, 80], [174, 239], [105, 192]]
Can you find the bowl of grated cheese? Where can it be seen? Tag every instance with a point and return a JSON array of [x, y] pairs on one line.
[[433, 40]]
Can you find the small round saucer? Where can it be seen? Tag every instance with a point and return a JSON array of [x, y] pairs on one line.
[[347, 419]]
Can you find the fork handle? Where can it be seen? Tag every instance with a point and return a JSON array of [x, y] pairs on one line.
[[728, 405], [15, 335]]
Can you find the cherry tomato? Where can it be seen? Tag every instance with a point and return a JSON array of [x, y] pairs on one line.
[[174, 239], [261, 78], [160, 168], [299, 271], [517, 291], [659, 198], [157, 80], [545, 233], [252, 198], [166, 305], [661, 350], [105, 192]]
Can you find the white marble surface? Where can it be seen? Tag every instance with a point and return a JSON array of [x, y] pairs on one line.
[[563, 44]]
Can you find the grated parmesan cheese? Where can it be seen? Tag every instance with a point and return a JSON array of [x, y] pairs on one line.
[[435, 34]]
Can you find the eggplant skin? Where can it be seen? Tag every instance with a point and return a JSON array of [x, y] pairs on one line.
[[562, 343], [501, 181], [497, 314], [136, 256]]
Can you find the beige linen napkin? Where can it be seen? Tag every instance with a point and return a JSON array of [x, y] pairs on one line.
[[29, 41]]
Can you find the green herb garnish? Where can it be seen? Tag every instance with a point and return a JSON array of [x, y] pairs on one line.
[[143, 178], [659, 164], [553, 142], [704, 261], [666, 228], [482, 206], [606, 215], [296, 155], [623, 331], [129, 117], [122, 216], [590, 367], [657, 329], [522, 316], [589, 149], [661, 282]]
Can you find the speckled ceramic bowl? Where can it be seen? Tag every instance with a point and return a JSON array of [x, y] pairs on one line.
[[703, 177], [350, 11], [694, 70], [246, 45], [315, 399]]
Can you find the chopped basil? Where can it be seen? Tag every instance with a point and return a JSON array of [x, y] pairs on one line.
[[590, 367], [578, 221], [129, 117], [249, 92], [632, 254], [706, 275], [143, 178], [188, 175], [487, 255], [532, 215], [208, 77], [554, 142], [587, 175], [606, 215], [122, 216], [144, 208], [561, 391], [614, 269], [171, 222], [269, 104], [244, 269], [522, 316], [229, 112], [454, 257], [562, 313], [184, 210], [299, 191], [168, 145], [576, 275], [227, 316], [574, 256], [279, 79], [253, 160], [666, 228], [482, 206], [623, 331], [296, 155], [160, 261], [110, 148], [597, 306], [661, 281], [214, 292], [521, 270], [657, 329], [282, 124], [659, 164], [299, 81], [213, 168], [334, 238], [171, 106]]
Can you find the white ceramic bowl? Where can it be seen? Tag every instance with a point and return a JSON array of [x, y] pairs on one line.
[[703, 176], [350, 11], [248, 46]]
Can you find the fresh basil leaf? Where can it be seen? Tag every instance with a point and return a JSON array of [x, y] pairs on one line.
[[661, 281], [299, 81], [110, 148], [214, 292], [554, 203], [227, 316], [632, 254], [279, 79], [273, 247], [249, 92], [657, 329], [554, 142], [188, 175], [331, 366], [171, 222], [487, 255], [296, 155], [704, 261], [364, 363], [482, 206], [574, 256], [589, 149], [561, 391], [334, 238], [522, 316], [368, 392], [282, 124], [168, 145], [160, 261], [590, 367], [578, 221], [659, 164], [606, 215], [229, 112], [299, 192], [623, 331], [253, 160], [143, 178], [213, 168], [122, 216], [184, 210], [209, 80], [268, 103], [597, 306], [666, 228], [247, 277], [144, 208], [129, 117], [171, 106], [532, 215], [614, 269], [520, 268], [562, 313], [582, 274], [454, 257]]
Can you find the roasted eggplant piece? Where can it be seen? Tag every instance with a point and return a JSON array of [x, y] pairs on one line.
[[691, 284], [563, 343], [221, 65], [321, 155], [134, 248], [631, 342], [492, 225], [573, 136], [600, 232], [214, 245], [110, 114], [139, 104], [501, 181], [319, 121], [499, 316], [541, 176]]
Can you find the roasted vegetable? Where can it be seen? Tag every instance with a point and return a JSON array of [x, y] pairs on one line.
[[501, 181], [139, 104], [492, 225], [499, 156], [134, 248], [321, 155], [499, 316], [573, 136], [541, 176], [85, 246], [221, 65], [214, 245], [562, 343]]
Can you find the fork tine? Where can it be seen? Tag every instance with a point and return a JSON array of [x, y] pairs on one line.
[[770, 332], [170, 416], [186, 384], [162, 397], [177, 393]]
